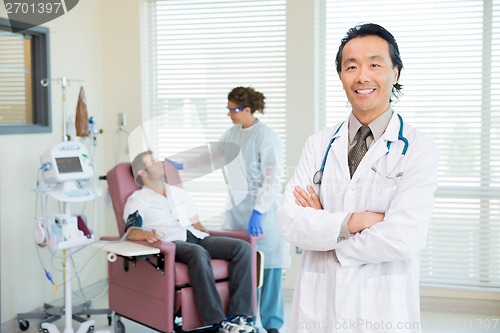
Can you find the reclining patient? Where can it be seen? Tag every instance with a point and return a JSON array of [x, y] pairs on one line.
[[159, 211]]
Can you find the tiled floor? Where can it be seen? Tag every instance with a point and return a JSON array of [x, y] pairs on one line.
[[432, 322], [101, 325]]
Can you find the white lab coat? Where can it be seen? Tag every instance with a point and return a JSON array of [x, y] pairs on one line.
[[262, 152], [374, 285]]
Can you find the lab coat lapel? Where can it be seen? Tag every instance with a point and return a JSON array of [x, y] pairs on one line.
[[339, 148], [391, 134]]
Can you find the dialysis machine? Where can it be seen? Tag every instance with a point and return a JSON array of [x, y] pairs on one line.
[[67, 168], [68, 173]]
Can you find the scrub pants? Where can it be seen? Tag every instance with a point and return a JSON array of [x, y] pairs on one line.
[[197, 253], [271, 299]]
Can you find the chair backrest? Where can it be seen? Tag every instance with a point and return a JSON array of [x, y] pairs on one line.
[[121, 185]]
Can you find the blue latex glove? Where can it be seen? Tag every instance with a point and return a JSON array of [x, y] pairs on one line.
[[254, 227], [178, 166]]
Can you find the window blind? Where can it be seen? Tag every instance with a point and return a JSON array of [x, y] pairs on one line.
[[15, 79], [194, 53], [451, 78]]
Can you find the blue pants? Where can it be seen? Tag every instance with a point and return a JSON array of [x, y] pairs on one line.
[[271, 299]]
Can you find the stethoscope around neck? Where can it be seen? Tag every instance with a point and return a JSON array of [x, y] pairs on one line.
[[318, 175]]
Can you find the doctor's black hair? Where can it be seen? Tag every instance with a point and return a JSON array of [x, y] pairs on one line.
[[139, 164], [248, 97], [372, 29]]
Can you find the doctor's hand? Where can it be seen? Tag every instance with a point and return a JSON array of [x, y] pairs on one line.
[[254, 227], [307, 198], [363, 220], [177, 165]]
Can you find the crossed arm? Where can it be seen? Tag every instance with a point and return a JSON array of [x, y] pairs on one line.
[[357, 222]]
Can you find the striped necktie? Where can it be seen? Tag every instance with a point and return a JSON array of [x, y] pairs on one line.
[[359, 150]]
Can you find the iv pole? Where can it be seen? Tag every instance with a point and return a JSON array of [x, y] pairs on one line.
[[68, 306], [64, 85]]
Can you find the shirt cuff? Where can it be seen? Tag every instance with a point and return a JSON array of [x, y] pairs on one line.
[[344, 232]]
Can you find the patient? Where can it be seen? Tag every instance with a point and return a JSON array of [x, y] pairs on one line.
[[157, 212]]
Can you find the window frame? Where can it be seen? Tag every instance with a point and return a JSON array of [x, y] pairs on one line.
[[40, 70]]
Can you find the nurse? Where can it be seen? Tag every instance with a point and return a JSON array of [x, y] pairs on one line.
[[263, 156], [362, 224]]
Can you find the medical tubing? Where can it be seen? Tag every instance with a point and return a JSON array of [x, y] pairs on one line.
[[76, 274], [47, 273], [80, 288], [71, 257], [42, 208], [98, 249], [49, 277]]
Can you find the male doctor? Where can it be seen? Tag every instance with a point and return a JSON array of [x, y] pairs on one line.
[[362, 217]]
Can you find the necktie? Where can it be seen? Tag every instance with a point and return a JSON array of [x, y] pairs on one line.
[[359, 150]]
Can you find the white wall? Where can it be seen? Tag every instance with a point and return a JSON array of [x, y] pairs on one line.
[[120, 32], [300, 93]]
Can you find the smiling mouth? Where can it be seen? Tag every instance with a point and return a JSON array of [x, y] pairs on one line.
[[364, 91]]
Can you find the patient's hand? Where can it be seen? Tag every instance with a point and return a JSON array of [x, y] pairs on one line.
[[200, 227], [149, 236], [307, 198]]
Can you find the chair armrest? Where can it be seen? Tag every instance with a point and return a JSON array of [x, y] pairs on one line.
[[165, 247], [109, 238]]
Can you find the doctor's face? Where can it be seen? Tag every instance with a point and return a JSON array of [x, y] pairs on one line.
[[367, 76]]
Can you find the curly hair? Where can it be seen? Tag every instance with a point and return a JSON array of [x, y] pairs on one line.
[[248, 97]]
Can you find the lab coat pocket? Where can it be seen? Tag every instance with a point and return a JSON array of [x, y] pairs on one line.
[[384, 304], [382, 191], [313, 302]]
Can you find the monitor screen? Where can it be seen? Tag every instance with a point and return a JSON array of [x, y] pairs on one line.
[[68, 164]]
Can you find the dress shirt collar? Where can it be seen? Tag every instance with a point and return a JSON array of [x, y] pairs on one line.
[[377, 126]]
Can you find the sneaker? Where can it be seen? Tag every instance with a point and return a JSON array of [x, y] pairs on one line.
[[236, 325], [230, 327], [243, 322]]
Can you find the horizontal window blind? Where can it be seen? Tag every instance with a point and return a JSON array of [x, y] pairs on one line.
[[15, 79], [194, 53], [451, 86]]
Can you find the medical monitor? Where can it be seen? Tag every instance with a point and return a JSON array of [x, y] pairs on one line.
[[69, 164], [66, 161]]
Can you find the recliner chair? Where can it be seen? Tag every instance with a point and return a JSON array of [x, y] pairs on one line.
[[154, 290]]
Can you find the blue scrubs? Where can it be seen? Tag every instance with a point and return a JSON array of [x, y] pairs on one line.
[[271, 299]]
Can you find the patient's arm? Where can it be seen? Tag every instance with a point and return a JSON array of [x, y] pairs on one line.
[[145, 235]]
